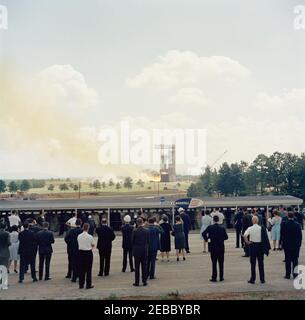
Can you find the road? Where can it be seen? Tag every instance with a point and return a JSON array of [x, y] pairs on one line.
[[107, 201]]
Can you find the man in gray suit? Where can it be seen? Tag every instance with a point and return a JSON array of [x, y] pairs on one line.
[[4, 246]]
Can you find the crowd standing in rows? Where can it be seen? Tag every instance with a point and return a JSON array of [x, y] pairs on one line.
[[143, 237]]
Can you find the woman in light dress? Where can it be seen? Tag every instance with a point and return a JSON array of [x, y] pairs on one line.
[[14, 256], [206, 220], [276, 230]]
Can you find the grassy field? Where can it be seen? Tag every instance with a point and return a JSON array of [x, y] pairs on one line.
[[148, 187]]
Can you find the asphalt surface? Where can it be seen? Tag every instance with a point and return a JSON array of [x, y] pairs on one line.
[[185, 277]]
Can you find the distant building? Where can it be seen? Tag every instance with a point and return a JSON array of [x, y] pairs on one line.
[[168, 163]]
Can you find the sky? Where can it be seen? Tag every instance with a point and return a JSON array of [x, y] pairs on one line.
[[71, 69]]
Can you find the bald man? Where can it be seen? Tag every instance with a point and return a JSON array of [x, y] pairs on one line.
[[253, 238]]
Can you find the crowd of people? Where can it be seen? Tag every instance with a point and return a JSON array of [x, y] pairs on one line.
[[143, 237]]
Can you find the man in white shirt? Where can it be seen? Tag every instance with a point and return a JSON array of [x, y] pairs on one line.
[[71, 222], [253, 238], [14, 219], [219, 214], [85, 246]]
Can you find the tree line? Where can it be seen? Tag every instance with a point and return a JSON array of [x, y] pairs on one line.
[[14, 186], [26, 185], [278, 174]]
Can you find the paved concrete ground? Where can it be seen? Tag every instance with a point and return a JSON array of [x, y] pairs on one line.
[[187, 277]]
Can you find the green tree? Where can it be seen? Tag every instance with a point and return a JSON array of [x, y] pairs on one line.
[[299, 176], [275, 171], [128, 183], [111, 183], [51, 187], [289, 173], [96, 184], [2, 186], [205, 186], [25, 185], [193, 191], [223, 183], [261, 165], [63, 187], [104, 185], [118, 186], [13, 187], [237, 179]]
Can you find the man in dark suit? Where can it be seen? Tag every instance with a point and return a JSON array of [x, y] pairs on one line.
[[140, 243], [246, 223], [33, 226], [154, 246], [186, 226], [104, 245], [45, 239], [92, 225], [27, 252], [299, 217], [4, 246], [291, 237], [238, 224], [72, 249], [127, 230], [217, 236]]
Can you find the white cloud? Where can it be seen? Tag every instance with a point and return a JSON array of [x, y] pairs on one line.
[[285, 101], [68, 87], [177, 68], [189, 97]]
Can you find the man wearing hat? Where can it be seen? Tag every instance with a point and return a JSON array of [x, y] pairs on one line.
[[186, 226], [127, 230]]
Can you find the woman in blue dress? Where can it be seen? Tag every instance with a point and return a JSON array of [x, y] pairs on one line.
[[179, 237], [276, 230]]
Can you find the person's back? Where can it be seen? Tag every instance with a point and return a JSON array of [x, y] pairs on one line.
[[166, 228], [238, 219], [217, 235], [71, 240], [291, 234], [14, 220], [206, 220], [45, 239], [140, 240], [4, 243], [154, 240], [299, 218], [127, 230], [92, 225], [247, 221], [260, 218], [27, 242], [35, 228], [220, 216], [186, 221], [105, 237], [178, 230]]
